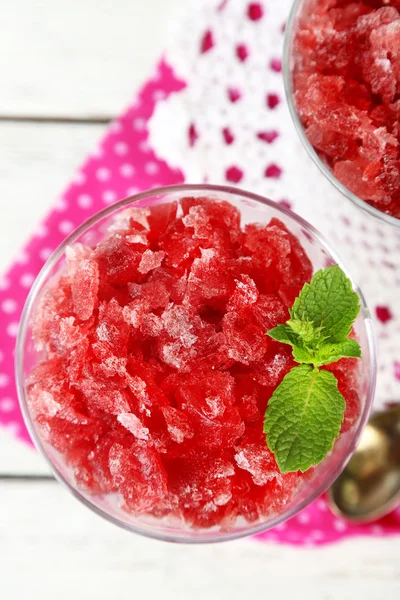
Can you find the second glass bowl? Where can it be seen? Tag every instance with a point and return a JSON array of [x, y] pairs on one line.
[[288, 67]]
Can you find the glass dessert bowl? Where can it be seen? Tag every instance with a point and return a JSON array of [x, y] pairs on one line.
[[341, 63], [144, 371]]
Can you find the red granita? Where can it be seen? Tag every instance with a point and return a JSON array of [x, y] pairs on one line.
[[156, 371], [346, 80]]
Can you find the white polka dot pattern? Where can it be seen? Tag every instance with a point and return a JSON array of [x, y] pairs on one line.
[[109, 196], [4, 380], [66, 227], [103, 174], [127, 170], [7, 405], [9, 306], [12, 329], [27, 279], [121, 148], [45, 253], [85, 201]]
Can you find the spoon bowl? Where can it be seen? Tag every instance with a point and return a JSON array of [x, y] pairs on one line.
[[369, 486]]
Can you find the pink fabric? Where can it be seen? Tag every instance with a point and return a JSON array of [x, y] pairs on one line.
[[124, 164]]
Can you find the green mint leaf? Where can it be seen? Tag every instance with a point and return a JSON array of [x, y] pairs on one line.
[[326, 353], [302, 354], [306, 410], [330, 353], [302, 343], [329, 302], [303, 418], [304, 329], [285, 334]]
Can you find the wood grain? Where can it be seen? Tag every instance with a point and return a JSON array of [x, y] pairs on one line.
[[64, 550], [84, 59], [36, 163], [19, 459]]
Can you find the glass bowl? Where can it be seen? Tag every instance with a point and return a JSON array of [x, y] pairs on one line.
[[288, 64], [253, 209]]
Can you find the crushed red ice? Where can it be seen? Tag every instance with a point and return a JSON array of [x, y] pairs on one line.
[[156, 370], [347, 91]]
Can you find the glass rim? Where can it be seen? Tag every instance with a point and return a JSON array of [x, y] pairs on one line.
[[288, 84], [185, 536]]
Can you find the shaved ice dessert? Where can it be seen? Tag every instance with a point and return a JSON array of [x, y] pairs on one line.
[[346, 83], [155, 370]]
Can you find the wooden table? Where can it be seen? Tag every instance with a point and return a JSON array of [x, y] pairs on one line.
[[66, 68]]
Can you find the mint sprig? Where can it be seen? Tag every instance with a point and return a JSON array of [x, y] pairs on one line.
[[305, 412]]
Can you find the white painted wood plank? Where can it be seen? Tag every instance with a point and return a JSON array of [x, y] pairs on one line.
[[64, 551], [83, 58], [17, 458], [36, 163]]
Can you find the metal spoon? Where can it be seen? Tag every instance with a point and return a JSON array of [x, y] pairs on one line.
[[369, 487]]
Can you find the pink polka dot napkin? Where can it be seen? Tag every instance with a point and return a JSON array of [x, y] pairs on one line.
[[194, 120]]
